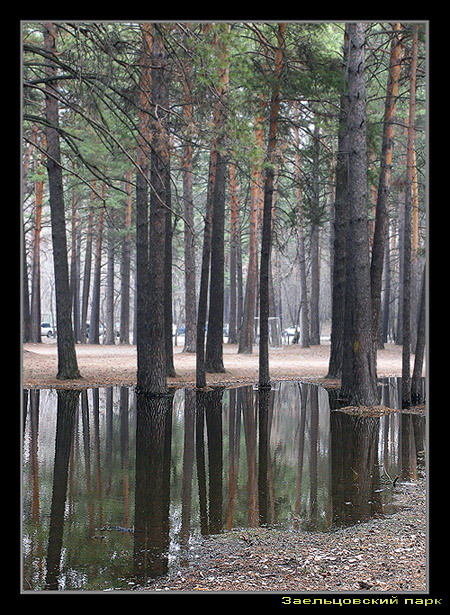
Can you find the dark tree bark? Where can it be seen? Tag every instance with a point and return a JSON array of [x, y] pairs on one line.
[[266, 239], [87, 274], [155, 379], [214, 340], [264, 399], [68, 402], [401, 253], [94, 322], [387, 292], [301, 252], [246, 335], [214, 204], [234, 238], [25, 293], [201, 404], [67, 358], [35, 322], [315, 285], [152, 493], [168, 299], [359, 383], [407, 256], [124, 331], [314, 243], [26, 299], [340, 231], [214, 431], [75, 268], [204, 281], [416, 381], [35, 331], [151, 228], [190, 312], [110, 332], [142, 211], [381, 216]]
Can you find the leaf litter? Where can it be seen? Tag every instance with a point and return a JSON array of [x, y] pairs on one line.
[[385, 554]]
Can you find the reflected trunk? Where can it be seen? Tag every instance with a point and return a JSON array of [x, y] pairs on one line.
[[66, 413], [151, 522], [301, 465]]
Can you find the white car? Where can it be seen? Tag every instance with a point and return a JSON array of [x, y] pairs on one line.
[[47, 329]]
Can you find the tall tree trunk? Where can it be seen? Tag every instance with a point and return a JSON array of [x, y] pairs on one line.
[[142, 210], [407, 266], [359, 382], [36, 268], [87, 272], [234, 225], [301, 252], [155, 380], [416, 380], [94, 321], [25, 293], [214, 341], [314, 243], [387, 292], [340, 230], [152, 493], [168, 298], [248, 317], [124, 331], [315, 284], [401, 254], [240, 283], [190, 313], [75, 269], [204, 281], [26, 299], [67, 358], [67, 407], [190, 286], [264, 375], [110, 333], [381, 216]]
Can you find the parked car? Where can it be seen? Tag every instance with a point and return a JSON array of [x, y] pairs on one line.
[[47, 329]]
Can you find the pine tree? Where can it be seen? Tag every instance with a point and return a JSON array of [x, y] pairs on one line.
[[67, 358], [359, 381]]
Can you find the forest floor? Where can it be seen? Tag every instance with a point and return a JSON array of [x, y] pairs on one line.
[[102, 365], [381, 555]]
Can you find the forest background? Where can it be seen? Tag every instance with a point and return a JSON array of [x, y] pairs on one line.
[[178, 174]]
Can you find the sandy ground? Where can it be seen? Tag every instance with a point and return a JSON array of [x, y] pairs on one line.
[[102, 365], [381, 555]]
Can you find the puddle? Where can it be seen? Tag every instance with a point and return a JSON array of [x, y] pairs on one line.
[[117, 488]]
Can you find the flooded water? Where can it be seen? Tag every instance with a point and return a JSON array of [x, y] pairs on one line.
[[117, 488]]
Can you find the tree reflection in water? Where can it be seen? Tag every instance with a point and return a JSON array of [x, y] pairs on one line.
[[65, 423], [121, 484], [152, 490]]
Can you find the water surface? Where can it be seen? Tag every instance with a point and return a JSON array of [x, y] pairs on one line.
[[118, 487]]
